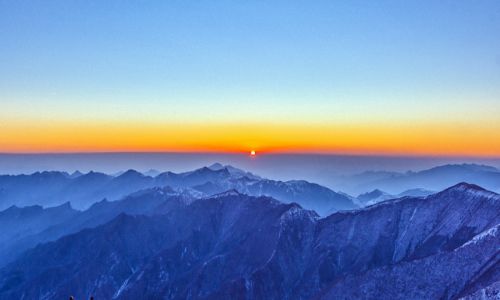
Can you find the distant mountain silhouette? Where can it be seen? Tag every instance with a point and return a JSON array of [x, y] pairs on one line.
[[217, 178], [151, 173], [377, 196], [434, 179], [25, 227], [415, 193], [234, 171], [82, 190], [16, 222], [234, 246], [53, 188], [373, 197]]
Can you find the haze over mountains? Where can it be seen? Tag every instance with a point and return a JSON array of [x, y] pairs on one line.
[[433, 179], [54, 188], [220, 232], [327, 170]]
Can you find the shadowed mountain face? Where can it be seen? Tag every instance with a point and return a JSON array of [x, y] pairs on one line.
[[23, 228], [475, 262], [53, 188], [17, 222], [233, 246]]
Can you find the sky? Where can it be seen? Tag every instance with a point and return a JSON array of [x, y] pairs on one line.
[[349, 77]]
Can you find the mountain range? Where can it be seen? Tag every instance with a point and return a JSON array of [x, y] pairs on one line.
[[220, 232], [377, 196], [235, 246], [434, 179], [83, 190], [23, 228]]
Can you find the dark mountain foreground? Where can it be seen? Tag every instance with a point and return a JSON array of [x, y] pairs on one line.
[[234, 246]]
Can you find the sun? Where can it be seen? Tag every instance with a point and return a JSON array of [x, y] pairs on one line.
[[253, 153]]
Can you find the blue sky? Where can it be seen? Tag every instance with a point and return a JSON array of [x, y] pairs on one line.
[[251, 61]]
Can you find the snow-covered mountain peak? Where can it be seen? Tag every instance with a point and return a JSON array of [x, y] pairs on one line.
[[471, 189], [216, 166], [233, 171]]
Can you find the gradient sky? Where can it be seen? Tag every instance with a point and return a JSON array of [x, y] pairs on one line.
[[383, 77]]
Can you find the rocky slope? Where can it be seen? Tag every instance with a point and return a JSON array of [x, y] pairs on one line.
[[233, 246]]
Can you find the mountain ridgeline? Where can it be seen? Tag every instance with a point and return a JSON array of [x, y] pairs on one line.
[[433, 179], [223, 233], [235, 246], [82, 190]]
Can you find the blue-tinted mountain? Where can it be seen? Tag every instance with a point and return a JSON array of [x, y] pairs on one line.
[[16, 222], [218, 178], [377, 196], [76, 174], [49, 188], [234, 246], [469, 266], [83, 190], [26, 227], [152, 173], [54, 188], [38, 188], [234, 171], [433, 179], [415, 193], [309, 195], [373, 197], [193, 178]]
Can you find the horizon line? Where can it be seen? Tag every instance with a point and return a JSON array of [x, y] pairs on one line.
[[262, 153]]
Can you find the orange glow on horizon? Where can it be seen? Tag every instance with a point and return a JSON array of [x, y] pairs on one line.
[[378, 139]]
